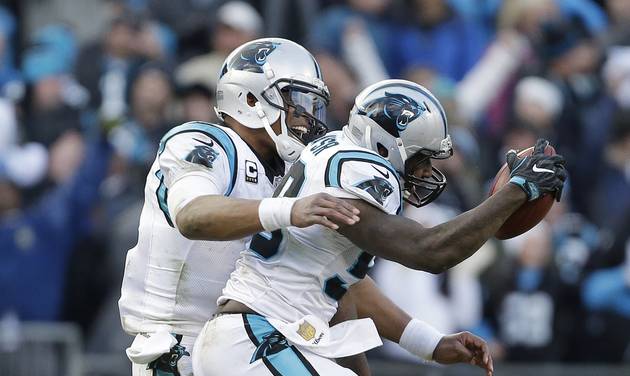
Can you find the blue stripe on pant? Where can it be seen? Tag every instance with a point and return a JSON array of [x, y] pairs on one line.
[[272, 348]]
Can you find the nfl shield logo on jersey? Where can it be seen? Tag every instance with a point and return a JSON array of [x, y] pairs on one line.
[[306, 331], [276, 181]]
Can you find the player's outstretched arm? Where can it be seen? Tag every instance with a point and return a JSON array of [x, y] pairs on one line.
[[437, 248], [413, 335], [215, 217]]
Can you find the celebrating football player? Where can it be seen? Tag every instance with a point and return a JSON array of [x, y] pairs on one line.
[[203, 202], [206, 183], [274, 312]]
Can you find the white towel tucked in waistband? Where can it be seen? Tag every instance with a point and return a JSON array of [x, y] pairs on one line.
[[148, 347], [347, 338]]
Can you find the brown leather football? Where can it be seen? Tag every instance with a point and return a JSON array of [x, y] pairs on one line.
[[531, 212]]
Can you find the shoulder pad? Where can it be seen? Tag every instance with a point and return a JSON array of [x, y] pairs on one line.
[[367, 176], [197, 144]]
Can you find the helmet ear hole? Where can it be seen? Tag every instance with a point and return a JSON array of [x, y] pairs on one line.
[[251, 100], [382, 150]]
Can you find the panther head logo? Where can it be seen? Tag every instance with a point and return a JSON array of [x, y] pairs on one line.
[[253, 56], [272, 343], [378, 188], [204, 154], [394, 111]]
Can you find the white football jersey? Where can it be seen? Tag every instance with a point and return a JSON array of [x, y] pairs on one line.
[[170, 281], [288, 274]]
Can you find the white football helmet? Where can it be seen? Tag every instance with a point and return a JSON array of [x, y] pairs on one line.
[[280, 74], [404, 119]]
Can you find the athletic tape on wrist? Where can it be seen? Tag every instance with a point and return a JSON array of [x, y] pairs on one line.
[[420, 339], [530, 189], [275, 213]]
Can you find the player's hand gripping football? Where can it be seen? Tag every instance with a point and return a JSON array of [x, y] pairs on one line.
[[537, 173], [323, 209], [464, 347]]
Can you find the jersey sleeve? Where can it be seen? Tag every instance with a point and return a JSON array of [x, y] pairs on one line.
[[196, 161], [368, 178]]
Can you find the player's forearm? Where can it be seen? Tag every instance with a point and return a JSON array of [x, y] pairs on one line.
[[459, 238], [390, 320], [432, 249], [357, 363], [216, 217], [415, 336]]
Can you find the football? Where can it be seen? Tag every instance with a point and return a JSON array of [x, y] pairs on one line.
[[531, 212]]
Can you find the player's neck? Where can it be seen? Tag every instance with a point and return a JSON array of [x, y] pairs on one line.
[[257, 139]]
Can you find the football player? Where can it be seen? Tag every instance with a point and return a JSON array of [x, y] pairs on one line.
[[274, 312], [206, 183], [202, 204]]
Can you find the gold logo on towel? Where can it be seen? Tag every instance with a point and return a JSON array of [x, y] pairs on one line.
[[306, 331]]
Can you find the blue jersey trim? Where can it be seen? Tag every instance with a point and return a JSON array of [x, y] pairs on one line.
[[162, 197], [333, 169], [215, 133]]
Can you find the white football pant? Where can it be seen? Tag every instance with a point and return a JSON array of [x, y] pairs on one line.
[[246, 344]]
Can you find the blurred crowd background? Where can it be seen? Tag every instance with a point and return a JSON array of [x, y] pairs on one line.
[[87, 89]]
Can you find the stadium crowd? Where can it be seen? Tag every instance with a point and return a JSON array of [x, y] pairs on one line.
[[80, 123]]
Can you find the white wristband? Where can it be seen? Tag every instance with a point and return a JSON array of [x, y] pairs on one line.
[[420, 339], [275, 213]]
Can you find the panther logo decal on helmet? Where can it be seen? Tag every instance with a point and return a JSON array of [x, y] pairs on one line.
[[253, 56], [400, 120], [283, 77], [399, 110]]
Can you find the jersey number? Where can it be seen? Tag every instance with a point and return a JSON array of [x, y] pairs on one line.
[[266, 244], [336, 287], [323, 144], [292, 183]]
